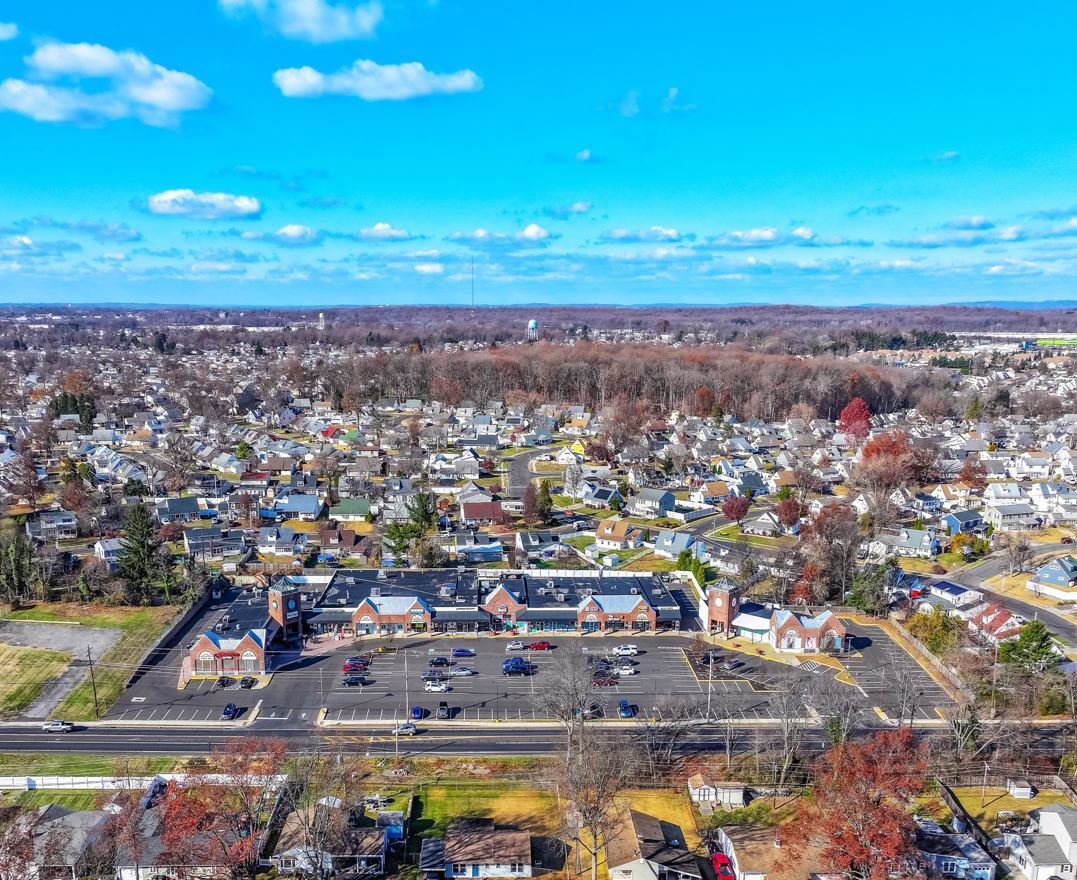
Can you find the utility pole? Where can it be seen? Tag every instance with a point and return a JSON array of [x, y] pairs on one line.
[[396, 737], [710, 680], [93, 682]]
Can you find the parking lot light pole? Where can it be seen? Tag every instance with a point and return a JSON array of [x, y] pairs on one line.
[[710, 681]]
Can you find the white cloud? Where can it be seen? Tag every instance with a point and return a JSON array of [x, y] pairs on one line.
[[771, 236], [8, 31], [384, 232], [964, 236], [22, 246], [371, 81], [974, 221], [203, 206], [137, 88], [296, 235], [585, 155], [762, 235], [1013, 267], [629, 105], [532, 233], [563, 212], [633, 236], [315, 21], [429, 268], [948, 156]]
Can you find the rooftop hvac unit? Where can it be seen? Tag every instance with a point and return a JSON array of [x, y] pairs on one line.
[[561, 597], [634, 591], [375, 591]]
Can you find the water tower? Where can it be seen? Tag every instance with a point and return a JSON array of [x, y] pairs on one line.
[[532, 330]]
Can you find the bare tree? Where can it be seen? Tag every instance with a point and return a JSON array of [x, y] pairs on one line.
[[1017, 547], [787, 708], [567, 693], [180, 457], [660, 735], [590, 780]]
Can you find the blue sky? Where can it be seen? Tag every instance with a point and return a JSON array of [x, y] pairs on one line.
[[303, 152]]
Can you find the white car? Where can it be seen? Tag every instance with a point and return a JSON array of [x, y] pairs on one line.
[[460, 670], [436, 687], [515, 646], [625, 651], [624, 670], [57, 727], [406, 729]]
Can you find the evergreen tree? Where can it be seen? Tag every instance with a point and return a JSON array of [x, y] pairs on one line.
[[16, 569], [422, 512], [544, 502], [139, 559], [1033, 650]]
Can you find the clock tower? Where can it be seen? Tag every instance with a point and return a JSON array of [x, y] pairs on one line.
[[723, 604], [286, 608]]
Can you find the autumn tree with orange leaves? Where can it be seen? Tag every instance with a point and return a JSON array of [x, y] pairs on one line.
[[857, 821], [220, 812]]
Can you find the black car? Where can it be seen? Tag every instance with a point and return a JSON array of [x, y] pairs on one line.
[[225, 682], [350, 681], [229, 712], [247, 682], [438, 662], [443, 713], [433, 675]]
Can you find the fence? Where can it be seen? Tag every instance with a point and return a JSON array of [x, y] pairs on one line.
[[981, 836], [951, 677], [165, 641]]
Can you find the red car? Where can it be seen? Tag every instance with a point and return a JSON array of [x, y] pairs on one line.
[[722, 866], [604, 681], [353, 667], [539, 646]]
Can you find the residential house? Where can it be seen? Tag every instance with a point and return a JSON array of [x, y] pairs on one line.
[[338, 542], [996, 624], [323, 839], [479, 513], [1058, 578], [652, 503], [713, 492], [601, 497], [648, 848], [915, 543], [617, 534], [1049, 848], [477, 848], [951, 854], [350, 510], [537, 543], [53, 525], [1012, 517], [670, 544], [967, 522], [213, 543], [183, 509], [108, 550], [281, 541]]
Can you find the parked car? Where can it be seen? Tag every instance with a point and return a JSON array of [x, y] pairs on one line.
[[515, 646], [350, 681], [438, 662], [1067, 540], [624, 670], [593, 710], [353, 667], [624, 709], [247, 682], [723, 867], [432, 675], [540, 646], [405, 729], [443, 712], [229, 712], [462, 652], [225, 681], [604, 681], [516, 666], [436, 687], [418, 713], [461, 670], [625, 651], [57, 726]]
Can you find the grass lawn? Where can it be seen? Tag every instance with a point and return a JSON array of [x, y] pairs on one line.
[[1051, 535], [649, 562], [563, 500], [506, 803], [510, 451], [546, 467], [24, 672], [74, 764], [580, 542], [70, 798], [627, 556], [309, 527], [141, 628], [986, 810], [732, 532], [669, 806], [917, 566]]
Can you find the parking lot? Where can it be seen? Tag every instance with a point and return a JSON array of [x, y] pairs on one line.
[[664, 683]]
